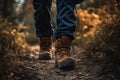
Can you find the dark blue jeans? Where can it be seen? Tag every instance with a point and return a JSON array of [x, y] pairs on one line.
[[66, 21]]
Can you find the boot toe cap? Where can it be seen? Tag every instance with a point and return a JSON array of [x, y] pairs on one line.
[[67, 64]]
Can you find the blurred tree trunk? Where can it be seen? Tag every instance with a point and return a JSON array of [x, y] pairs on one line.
[[6, 8]]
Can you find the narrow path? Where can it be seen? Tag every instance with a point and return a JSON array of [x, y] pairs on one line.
[[33, 69]]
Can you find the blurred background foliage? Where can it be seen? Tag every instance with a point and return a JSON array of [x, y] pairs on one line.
[[97, 29]]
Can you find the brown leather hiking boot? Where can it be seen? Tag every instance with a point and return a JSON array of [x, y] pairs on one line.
[[45, 46], [62, 54]]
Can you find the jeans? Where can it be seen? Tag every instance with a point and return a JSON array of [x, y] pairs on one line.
[[66, 21]]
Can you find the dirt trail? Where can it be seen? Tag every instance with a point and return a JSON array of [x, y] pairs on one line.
[[85, 69]]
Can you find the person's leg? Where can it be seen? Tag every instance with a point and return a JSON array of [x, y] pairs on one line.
[[66, 23], [43, 26], [42, 17], [66, 20]]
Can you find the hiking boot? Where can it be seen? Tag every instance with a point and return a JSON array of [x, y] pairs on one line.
[[45, 46], [62, 53]]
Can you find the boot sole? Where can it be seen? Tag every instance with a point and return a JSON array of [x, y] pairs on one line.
[[67, 64], [45, 56]]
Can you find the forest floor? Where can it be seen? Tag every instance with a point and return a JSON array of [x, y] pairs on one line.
[[28, 67]]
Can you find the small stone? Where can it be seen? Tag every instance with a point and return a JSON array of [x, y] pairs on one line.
[[59, 77], [70, 78]]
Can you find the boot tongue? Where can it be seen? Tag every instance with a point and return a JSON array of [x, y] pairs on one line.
[[65, 42], [45, 43]]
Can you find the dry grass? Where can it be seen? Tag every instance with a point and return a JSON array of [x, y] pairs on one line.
[[98, 30], [12, 44]]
